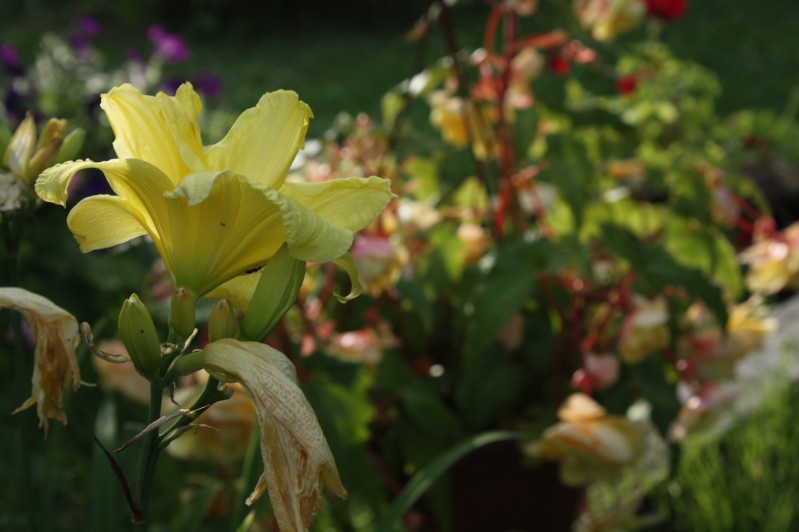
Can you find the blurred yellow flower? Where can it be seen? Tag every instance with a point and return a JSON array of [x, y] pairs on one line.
[[773, 262], [714, 354], [605, 19], [590, 444], [296, 456], [214, 212], [57, 338], [645, 329], [462, 123]]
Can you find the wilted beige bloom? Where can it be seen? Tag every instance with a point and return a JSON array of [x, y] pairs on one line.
[[296, 456], [589, 443], [56, 340]]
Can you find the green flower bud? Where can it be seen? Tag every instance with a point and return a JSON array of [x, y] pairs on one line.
[[71, 146], [222, 323], [182, 313], [137, 331], [277, 290]]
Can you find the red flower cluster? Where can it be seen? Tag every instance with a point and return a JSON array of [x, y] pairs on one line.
[[666, 9]]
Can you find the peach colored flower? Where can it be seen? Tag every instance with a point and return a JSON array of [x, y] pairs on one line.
[[121, 377], [365, 345], [380, 262], [475, 239], [589, 443]]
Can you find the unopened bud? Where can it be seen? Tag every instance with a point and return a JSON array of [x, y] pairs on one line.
[[21, 147], [181, 313], [277, 290], [71, 146], [222, 323], [50, 140], [137, 331]]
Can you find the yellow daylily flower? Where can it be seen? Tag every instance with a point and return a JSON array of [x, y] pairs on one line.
[[294, 450], [57, 338], [218, 211]]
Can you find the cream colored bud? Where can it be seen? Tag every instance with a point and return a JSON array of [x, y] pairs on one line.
[[21, 147], [137, 331], [222, 323]]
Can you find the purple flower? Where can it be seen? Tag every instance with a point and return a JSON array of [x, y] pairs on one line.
[[209, 85], [9, 57], [170, 46], [79, 43], [87, 26]]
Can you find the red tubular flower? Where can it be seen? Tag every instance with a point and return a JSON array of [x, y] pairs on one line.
[[559, 64], [669, 10], [626, 84]]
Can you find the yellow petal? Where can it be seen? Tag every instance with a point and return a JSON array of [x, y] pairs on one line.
[[139, 183], [219, 226], [294, 450], [161, 130], [311, 238], [351, 203], [100, 222], [56, 340], [238, 290], [347, 263], [263, 142], [580, 407]]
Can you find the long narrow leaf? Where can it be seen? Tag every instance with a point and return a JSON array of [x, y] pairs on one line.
[[425, 477]]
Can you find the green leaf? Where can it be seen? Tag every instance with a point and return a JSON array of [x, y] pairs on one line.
[[425, 477], [707, 249], [490, 389], [424, 173], [570, 170], [500, 293]]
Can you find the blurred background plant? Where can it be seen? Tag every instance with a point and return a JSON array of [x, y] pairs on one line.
[[584, 208]]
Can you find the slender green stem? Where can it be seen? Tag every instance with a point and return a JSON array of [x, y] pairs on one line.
[[22, 376], [149, 457], [249, 472]]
